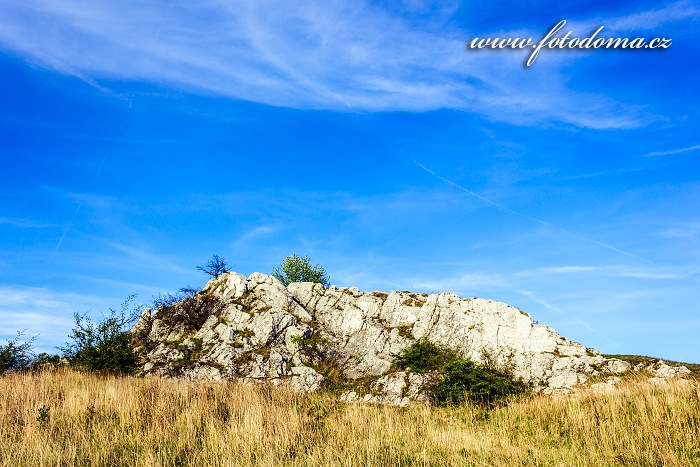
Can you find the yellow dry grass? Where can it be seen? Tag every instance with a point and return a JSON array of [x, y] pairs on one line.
[[105, 421]]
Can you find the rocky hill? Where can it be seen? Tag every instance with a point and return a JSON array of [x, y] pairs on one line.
[[256, 329]]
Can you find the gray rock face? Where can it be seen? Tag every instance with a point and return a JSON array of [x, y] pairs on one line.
[[260, 330]]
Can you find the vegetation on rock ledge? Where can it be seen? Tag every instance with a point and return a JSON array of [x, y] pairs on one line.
[[297, 268], [456, 380]]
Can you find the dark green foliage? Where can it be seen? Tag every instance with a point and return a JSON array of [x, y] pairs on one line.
[[245, 333], [44, 361], [192, 353], [296, 268], [455, 380], [317, 347], [215, 267], [43, 417], [464, 379], [324, 359], [16, 356], [104, 345], [424, 356]]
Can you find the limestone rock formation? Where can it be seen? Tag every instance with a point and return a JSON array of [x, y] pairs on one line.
[[256, 329]]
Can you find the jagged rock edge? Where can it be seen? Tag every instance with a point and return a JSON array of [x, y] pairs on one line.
[[266, 332]]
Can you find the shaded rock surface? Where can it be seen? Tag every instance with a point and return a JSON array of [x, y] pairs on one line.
[[256, 329]]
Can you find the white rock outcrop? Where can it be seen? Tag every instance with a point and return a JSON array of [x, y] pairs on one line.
[[661, 369], [260, 330]]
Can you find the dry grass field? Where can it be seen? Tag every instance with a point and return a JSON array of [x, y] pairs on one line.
[[69, 418]]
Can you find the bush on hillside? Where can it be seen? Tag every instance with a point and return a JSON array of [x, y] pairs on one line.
[[297, 268], [103, 345], [465, 380], [424, 356], [45, 361], [16, 355], [455, 380]]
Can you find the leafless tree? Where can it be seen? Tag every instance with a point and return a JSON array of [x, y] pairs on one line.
[[215, 267]]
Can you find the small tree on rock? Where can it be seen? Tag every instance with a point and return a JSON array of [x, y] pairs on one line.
[[296, 268], [215, 267]]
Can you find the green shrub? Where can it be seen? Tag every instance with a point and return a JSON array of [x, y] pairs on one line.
[[465, 380], [104, 345], [296, 268], [454, 380], [325, 359], [44, 361], [424, 356], [314, 345], [16, 356], [43, 417]]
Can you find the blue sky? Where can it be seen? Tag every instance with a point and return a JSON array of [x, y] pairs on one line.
[[142, 137]]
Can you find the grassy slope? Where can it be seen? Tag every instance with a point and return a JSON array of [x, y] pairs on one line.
[[96, 420]]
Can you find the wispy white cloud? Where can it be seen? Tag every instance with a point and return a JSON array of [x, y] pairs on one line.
[[541, 301], [673, 151], [654, 18], [331, 55], [686, 230], [651, 275], [567, 269], [254, 233], [462, 284], [43, 312], [148, 259], [603, 173], [25, 223], [522, 215], [655, 273], [556, 309], [142, 290]]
